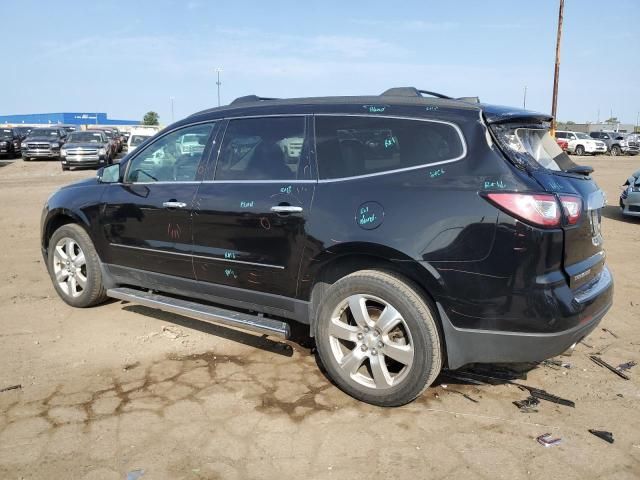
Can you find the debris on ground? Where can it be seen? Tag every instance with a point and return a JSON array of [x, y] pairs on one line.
[[527, 405], [610, 332], [586, 344], [547, 441], [135, 474], [538, 393], [12, 387], [604, 435], [460, 393], [172, 332], [602, 363], [626, 366], [555, 364]]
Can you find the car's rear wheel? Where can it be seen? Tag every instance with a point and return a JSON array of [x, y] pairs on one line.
[[615, 151], [378, 338], [579, 150], [74, 267]]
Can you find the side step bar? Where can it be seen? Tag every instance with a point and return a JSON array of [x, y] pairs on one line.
[[199, 311]]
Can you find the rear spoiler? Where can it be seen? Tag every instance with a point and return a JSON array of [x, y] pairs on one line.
[[500, 114]]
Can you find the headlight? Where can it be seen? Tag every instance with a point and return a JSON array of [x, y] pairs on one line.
[[55, 145], [623, 143], [102, 151], [63, 152], [3, 143]]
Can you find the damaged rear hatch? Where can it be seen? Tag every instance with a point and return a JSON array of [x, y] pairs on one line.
[[525, 140]]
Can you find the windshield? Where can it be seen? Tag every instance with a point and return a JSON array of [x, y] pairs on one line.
[[138, 139], [88, 137], [583, 136], [6, 133], [43, 132]]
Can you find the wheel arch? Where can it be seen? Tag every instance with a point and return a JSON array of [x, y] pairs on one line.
[[344, 259], [58, 218]]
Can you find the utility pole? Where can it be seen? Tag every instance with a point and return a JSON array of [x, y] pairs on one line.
[[556, 75], [524, 100], [171, 98], [218, 83]]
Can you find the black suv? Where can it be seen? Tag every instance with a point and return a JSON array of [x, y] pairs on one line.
[[43, 143], [10, 142], [408, 232]]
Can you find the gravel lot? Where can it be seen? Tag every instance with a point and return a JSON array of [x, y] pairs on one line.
[[118, 388]]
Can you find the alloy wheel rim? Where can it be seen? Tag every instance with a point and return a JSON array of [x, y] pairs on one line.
[[371, 342], [70, 267]]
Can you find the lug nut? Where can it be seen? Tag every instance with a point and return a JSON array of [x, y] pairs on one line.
[[363, 348], [366, 329], [380, 344], [376, 333], [360, 336], [374, 351]]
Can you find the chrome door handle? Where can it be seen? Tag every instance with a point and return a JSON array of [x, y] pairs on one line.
[[174, 204], [285, 209]]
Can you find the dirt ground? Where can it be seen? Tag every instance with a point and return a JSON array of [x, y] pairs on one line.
[[120, 388]]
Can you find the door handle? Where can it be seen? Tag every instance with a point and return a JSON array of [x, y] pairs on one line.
[[174, 204], [285, 209]]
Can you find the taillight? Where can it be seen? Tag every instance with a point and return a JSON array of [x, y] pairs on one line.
[[572, 207], [539, 208]]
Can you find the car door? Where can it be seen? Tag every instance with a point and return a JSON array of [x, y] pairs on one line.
[[250, 214], [147, 218]]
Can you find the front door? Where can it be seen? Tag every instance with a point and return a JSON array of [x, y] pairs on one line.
[[147, 217], [249, 217]]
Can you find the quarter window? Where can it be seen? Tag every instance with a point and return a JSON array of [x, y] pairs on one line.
[[352, 146], [175, 157], [268, 148]]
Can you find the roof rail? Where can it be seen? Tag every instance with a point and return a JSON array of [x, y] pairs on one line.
[[250, 99], [410, 92]]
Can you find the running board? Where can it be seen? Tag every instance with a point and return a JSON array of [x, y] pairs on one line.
[[199, 311]]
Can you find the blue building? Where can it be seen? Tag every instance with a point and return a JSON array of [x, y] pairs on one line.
[[67, 118]]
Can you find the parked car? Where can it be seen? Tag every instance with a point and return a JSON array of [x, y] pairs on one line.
[[23, 131], [113, 144], [630, 196], [616, 143], [10, 142], [115, 136], [402, 237], [85, 149], [43, 143], [68, 128], [580, 143], [563, 143], [139, 135]]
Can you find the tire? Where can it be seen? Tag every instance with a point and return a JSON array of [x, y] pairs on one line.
[[26, 159], [579, 150], [352, 350], [615, 151], [73, 237], [64, 169]]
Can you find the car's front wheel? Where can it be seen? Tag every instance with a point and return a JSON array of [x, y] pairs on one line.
[[74, 267], [378, 338], [579, 150], [615, 151]]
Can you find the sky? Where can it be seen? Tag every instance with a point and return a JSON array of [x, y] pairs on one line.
[[128, 57]]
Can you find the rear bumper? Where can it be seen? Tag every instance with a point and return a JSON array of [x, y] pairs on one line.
[[464, 345]]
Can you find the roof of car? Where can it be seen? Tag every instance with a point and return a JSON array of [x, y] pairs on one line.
[[401, 96]]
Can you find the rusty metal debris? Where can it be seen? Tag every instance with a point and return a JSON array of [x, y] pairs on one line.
[[555, 364], [547, 441], [610, 332], [604, 435], [602, 363], [12, 387]]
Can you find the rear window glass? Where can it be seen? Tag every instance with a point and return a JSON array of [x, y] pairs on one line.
[[351, 146]]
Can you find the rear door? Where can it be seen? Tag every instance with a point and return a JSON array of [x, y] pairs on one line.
[[147, 218], [250, 215]]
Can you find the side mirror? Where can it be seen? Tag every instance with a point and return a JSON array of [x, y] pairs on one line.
[[110, 174]]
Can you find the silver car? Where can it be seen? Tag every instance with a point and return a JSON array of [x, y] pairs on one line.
[[630, 196]]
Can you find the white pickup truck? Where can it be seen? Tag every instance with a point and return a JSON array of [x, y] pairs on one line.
[[581, 143]]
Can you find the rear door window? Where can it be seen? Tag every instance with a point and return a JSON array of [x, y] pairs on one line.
[[349, 146]]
